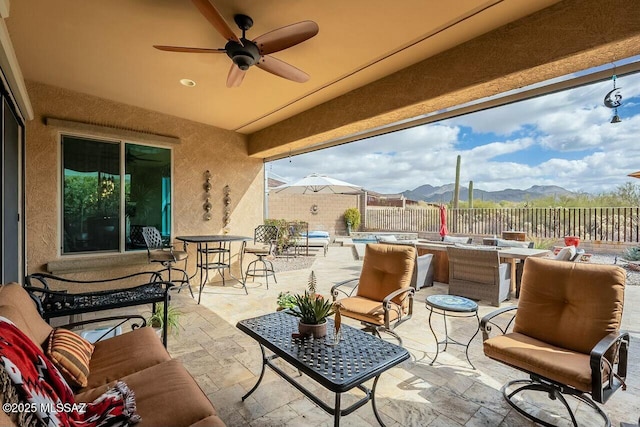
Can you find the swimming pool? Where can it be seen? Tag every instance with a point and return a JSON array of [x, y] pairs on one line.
[[368, 240]]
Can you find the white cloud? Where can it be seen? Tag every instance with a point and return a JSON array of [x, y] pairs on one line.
[[582, 150]]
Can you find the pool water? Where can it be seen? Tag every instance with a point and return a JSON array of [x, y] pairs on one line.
[[364, 240]]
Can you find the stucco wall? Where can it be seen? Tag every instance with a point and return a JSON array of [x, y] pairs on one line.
[[329, 216], [202, 147]]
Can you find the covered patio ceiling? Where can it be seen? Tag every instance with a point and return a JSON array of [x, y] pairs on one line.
[[371, 64]]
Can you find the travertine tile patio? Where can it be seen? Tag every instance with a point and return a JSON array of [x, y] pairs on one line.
[[226, 362]]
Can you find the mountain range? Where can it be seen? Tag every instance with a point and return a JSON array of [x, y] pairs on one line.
[[444, 193]]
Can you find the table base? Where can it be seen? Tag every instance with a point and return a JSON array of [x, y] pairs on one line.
[[447, 340], [336, 411]]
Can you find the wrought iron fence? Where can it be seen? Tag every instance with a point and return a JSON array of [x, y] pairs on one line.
[[605, 224]]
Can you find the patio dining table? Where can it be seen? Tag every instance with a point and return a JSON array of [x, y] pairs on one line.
[[513, 255], [218, 245], [441, 260]]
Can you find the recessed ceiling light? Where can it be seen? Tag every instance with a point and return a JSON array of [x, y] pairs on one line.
[[187, 82]]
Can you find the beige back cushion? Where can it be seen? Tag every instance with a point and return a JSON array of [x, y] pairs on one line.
[[385, 269], [570, 305], [17, 306]]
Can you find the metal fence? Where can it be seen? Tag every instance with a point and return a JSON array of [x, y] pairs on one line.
[[605, 224]]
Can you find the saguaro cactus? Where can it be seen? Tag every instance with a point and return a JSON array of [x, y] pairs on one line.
[[456, 188], [470, 194]]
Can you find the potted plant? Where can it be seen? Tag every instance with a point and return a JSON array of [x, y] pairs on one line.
[[156, 320], [286, 300], [313, 310], [352, 219]]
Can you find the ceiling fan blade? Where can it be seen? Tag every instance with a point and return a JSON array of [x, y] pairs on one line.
[[282, 69], [188, 49], [235, 77], [285, 37], [213, 16]]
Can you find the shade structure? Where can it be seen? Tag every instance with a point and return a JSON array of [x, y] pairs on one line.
[[635, 174], [443, 220], [318, 184]]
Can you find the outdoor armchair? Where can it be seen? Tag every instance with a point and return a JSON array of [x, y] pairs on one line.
[[384, 293], [476, 273], [566, 334]]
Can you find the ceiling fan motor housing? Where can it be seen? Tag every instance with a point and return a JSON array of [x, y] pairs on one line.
[[243, 56]]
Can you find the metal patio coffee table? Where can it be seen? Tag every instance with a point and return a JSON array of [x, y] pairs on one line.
[[357, 358]]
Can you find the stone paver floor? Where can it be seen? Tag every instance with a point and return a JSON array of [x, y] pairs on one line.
[[226, 362]]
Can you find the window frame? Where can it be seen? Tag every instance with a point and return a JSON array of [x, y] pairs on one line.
[[121, 141]]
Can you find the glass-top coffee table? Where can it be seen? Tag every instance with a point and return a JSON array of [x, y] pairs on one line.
[[357, 358]]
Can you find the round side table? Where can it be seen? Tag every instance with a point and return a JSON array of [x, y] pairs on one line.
[[454, 306]]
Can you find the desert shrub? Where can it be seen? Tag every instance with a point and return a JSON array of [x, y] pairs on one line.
[[352, 216]]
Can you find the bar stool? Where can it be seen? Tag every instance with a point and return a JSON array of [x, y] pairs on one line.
[[165, 255], [265, 239]]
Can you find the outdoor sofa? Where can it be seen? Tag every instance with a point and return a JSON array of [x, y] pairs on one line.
[[165, 393]]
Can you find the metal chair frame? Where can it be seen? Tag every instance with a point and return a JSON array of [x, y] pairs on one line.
[[154, 243], [265, 234]]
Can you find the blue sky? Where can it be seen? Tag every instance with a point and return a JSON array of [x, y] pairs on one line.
[[563, 139]]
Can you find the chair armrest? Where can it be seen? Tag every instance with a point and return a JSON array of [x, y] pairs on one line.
[[122, 319], [350, 284], [617, 345], [386, 302], [487, 321]]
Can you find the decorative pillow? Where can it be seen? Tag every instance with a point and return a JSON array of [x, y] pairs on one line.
[[71, 354]]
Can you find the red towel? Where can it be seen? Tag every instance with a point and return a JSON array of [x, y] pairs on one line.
[[45, 393]]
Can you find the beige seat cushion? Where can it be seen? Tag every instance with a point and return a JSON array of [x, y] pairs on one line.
[[258, 249], [165, 256], [532, 355], [166, 395], [366, 310], [385, 269], [125, 354], [570, 305]]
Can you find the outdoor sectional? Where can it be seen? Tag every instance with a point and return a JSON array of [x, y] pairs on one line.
[[165, 393]]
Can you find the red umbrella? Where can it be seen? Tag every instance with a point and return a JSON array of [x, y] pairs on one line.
[[443, 220]]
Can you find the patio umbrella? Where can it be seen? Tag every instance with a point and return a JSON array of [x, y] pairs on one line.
[[443, 220], [317, 184], [635, 174]]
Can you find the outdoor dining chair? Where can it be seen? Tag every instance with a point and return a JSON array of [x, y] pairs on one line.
[[165, 255], [477, 273], [384, 293], [265, 242], [566, 336]]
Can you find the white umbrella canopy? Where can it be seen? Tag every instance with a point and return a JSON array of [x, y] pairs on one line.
[[317, 184]]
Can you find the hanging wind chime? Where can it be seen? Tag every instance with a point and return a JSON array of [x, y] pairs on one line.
[[613, 99]]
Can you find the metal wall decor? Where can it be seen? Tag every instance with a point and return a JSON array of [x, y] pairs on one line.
[[227, 207], [207, 190], [613, 99], [314, 209]]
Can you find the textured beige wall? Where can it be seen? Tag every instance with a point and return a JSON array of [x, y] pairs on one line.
[[202, 147], [330, 216], [570, 36]]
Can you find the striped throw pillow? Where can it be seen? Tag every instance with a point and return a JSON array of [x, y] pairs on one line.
[[71, 354]]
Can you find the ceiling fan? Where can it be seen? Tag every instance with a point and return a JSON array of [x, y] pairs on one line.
[[244, 53]]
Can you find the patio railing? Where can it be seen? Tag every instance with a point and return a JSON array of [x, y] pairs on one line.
[[607, 224]]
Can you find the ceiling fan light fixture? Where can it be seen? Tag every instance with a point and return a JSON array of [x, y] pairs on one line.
[[243, 61], [244, 52]]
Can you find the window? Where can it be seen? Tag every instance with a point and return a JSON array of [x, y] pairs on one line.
[[100, 215]]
